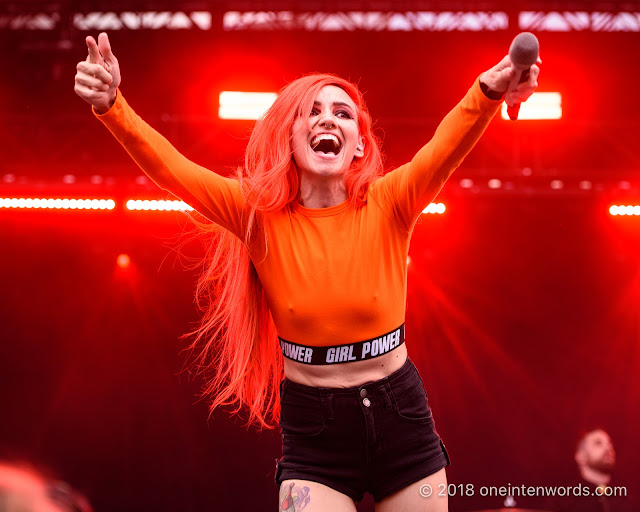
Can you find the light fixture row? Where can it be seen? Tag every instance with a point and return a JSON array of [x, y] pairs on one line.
[[131, 204], [181, 206]]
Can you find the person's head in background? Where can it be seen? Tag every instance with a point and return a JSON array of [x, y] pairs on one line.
[[595, 456], [23, 489]]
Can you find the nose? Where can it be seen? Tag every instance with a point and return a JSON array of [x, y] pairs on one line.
[[326, 119]]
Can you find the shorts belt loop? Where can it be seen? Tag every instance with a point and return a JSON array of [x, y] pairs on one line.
[[326, 401], [387, 395]]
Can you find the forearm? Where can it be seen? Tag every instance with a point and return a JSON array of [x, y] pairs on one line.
[[456, 135], [214, 196]]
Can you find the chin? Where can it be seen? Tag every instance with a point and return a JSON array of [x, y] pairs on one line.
[[604, 466]]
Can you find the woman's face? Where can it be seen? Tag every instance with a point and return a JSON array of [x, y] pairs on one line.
[[327, 139]]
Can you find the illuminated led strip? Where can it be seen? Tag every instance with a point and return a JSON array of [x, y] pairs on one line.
[[438, 208], [579, 21], [131, 204], [157, 205], [440, 21], [375, 21], [619, 209], [541, 105], [244, 105], [58, 204]]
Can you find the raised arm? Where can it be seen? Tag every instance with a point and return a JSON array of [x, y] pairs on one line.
[[411, 187], [217, 198]]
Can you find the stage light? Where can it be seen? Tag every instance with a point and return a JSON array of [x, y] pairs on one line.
[[58, 204], [541, 105], [377, 21], [557, 185], [438, 208], [157, 205], [466, 183], [585, 185], [244, 105], [625, 210], [495, 183], [123, 260]]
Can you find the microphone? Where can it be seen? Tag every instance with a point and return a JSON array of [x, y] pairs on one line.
[[523, 52]]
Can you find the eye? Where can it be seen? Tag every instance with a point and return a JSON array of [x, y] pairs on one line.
[[344, 114], [314, 112]]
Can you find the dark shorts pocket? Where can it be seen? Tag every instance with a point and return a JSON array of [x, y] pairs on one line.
[[301, 415], [410, 400]]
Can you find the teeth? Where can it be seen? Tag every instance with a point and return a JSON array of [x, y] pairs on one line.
[[324, 136]]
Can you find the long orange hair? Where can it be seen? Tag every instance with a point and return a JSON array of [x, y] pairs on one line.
[[236, 345]]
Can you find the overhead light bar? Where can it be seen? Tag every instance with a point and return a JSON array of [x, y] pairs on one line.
[[541, 105], [244, 105], [157, 205], [438, 208], [579, 21], [58, 204], [618, 209], [346, 21], [373, 21]]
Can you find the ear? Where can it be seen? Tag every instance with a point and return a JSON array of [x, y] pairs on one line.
[[360, 148]]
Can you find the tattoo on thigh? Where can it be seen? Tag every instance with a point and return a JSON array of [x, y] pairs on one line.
[[293, 498]]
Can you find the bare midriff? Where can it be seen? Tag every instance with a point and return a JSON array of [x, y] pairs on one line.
[[346, 375]]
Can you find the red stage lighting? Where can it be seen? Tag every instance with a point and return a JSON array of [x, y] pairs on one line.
[[244, 105], [58, 204], [123, 261], [157, 205], [438, 208], [625, 209], [541, 105]]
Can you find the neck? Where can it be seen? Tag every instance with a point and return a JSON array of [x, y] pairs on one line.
[[594, 476], [321, 192]]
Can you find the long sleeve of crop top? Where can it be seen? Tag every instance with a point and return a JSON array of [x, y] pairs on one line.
[[216, 197], [412, 186]]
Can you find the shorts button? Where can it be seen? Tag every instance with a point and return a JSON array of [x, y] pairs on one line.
[[366, 402], [363, 393]]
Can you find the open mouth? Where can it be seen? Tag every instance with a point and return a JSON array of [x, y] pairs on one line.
[[326, 143]]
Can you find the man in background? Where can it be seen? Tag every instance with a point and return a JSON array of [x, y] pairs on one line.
[[595, 458]]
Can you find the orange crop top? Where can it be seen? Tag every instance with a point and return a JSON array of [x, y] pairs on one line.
[[332, 275]]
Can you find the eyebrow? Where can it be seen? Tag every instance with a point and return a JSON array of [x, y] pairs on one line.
[[336, 104]]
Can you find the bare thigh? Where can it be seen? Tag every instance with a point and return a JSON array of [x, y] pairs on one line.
[[426, 495], [297, 495]]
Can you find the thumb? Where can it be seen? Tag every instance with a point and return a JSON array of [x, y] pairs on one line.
[[105, 47], [94, 53]]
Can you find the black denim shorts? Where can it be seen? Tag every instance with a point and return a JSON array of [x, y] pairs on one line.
[[379, 437]]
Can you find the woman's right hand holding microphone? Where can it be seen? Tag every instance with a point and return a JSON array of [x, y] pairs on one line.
[[98, 77]]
